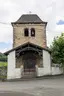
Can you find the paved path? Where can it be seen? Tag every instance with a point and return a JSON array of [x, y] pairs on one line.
[[45, 87], [14, 94]]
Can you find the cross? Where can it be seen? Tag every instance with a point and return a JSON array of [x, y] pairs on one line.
[[30, 12]]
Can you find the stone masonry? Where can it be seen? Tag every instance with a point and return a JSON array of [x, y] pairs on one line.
[[19, 38]]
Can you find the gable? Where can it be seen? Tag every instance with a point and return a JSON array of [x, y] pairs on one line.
[[27, 45]]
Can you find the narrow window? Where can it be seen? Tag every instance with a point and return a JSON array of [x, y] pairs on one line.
[[32, 32], [26, 32]]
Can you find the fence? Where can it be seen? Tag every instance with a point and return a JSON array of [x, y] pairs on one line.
[[3, 73]]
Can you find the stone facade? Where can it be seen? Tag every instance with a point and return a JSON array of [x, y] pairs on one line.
[[19, 62], [19, 38]]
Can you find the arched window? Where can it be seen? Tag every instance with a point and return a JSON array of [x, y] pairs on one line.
[[32, 32], [26, 32]]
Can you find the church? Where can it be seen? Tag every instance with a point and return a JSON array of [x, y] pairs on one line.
[[30, 56]]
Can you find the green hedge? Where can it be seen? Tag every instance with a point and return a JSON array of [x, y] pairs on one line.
[[3, 64]]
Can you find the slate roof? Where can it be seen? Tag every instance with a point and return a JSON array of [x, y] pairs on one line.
[[29, 18]]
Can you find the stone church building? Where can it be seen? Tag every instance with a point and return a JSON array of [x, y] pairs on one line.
[[30, 56]]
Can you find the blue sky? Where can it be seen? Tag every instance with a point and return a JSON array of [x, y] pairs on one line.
[[51, 11], [4, 45], [60, 22]]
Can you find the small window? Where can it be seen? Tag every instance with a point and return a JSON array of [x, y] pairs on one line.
[[26, 32], [33, 32]]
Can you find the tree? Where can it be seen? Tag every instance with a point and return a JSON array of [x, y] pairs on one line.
[[57, 49], [3, 58]]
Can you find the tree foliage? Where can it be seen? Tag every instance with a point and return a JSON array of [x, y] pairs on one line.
[[3, 58], [57, 49]]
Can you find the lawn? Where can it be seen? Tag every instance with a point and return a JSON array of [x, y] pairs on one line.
[[3, 64]]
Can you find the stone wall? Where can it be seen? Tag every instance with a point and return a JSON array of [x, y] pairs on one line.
[[19, 62], [19, 38]]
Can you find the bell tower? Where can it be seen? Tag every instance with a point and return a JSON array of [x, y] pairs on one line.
[[29, 28]]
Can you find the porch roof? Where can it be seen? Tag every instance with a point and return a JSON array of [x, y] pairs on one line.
[[27, 44]]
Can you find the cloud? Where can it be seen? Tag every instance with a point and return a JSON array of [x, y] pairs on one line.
[[60, 28], [6, 33]]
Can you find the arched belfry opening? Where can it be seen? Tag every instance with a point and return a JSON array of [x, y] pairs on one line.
[[26, 32], [33, 32]]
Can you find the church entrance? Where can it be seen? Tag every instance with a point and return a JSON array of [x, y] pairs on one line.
[[29, 61], [30, 56]]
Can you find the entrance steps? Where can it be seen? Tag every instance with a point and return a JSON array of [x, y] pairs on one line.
[[29, 75]]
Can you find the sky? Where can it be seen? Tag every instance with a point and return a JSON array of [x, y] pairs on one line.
[[51, 11]]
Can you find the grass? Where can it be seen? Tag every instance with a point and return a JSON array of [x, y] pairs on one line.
[[3, 64]]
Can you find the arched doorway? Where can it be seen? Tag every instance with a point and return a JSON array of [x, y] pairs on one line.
[[29, 63]]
